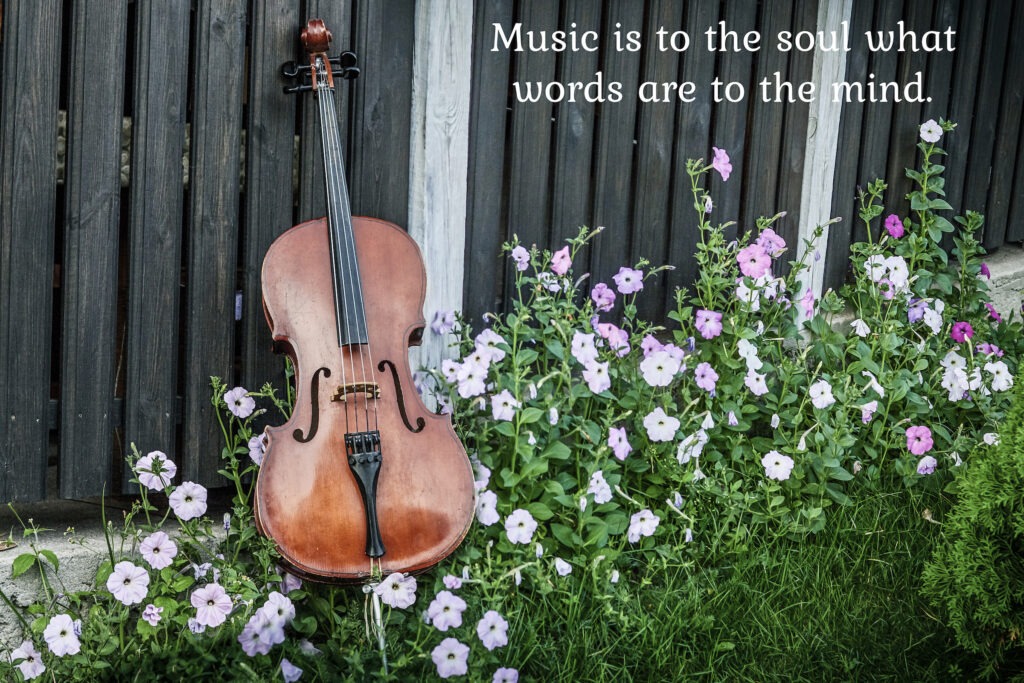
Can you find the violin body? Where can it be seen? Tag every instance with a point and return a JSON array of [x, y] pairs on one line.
[[308, 495]]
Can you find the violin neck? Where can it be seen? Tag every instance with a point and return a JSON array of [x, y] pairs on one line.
[[348, 291]]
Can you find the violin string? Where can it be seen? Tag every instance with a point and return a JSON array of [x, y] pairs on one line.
[[353, 292], [323, 96]]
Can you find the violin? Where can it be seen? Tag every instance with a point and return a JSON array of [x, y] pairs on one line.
[[362, 480]]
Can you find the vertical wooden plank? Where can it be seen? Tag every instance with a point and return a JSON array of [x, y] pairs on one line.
[[1007, 134], [574, 130], [693, 129], [730, 126], [820, 152], [440, 149], [270, 140], [28, 148], [485, 227], [213, 225], [800, 141], [767, 118], [529, 181], [156, 216], [92, 217], [984, 132], [337, 16], [381, 110], [614, 168], [963, 100], [655, 144]]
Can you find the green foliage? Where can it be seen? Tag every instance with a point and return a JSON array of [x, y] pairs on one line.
[[976, 576]]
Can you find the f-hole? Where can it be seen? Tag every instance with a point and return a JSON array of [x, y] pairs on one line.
[[314, 388], [420, 422]]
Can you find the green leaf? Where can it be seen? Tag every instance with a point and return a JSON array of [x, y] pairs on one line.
[[556, 450], [530, 415], [565, 535], [540, 511], [22, 563], [50, 557]]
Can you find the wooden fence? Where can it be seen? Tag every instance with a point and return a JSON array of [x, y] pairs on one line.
[[130, 274]]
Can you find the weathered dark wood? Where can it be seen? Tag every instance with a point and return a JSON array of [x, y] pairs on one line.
[[28, 145], [574, 131], [485, 226], [269, 207], [529, 181], [1008, 131], [985, 131], [156, 214], [966, 77], [213, 226], [653, 204], [730, 122], [614, 171], [381, 111], [92, 216], [693, 128]]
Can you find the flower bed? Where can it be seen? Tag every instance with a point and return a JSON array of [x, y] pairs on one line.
[[618, 461]]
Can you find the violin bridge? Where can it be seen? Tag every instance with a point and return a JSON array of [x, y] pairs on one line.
[[370, 389]]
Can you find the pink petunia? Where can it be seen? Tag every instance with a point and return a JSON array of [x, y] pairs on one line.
[[919, 439], [560, 261], [754, 261], [708, 323], [961, 332], [721, 163], [603, 297], [629, 280], [618, 442], [492, 630], [894, 226], [212, 603]]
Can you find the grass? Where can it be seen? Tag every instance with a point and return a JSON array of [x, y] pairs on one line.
[[840, 605]]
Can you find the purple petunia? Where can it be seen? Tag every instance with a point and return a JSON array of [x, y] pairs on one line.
[[708, 323], [754, 260], [618, 442], [239, 402], [560, 261], [961, 332], [603, 297], [629, 280], [919, 440], [450, 658], [721, 163], [894, 226]]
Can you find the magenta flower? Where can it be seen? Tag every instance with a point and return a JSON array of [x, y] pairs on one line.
[[450, 658], [808, 302], [961, 332], [926, 465], [603, 296], [629, 280], [919, 440], [618, 442], [894, 225], [708, 323], [188, 501], [128, 583], [985, 271], [239, 402], [521, 258], [990, 349], [754, 261], [158, 550], [445, 611], [993, 313], [492, 630], [721, 163], [560, 261]]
